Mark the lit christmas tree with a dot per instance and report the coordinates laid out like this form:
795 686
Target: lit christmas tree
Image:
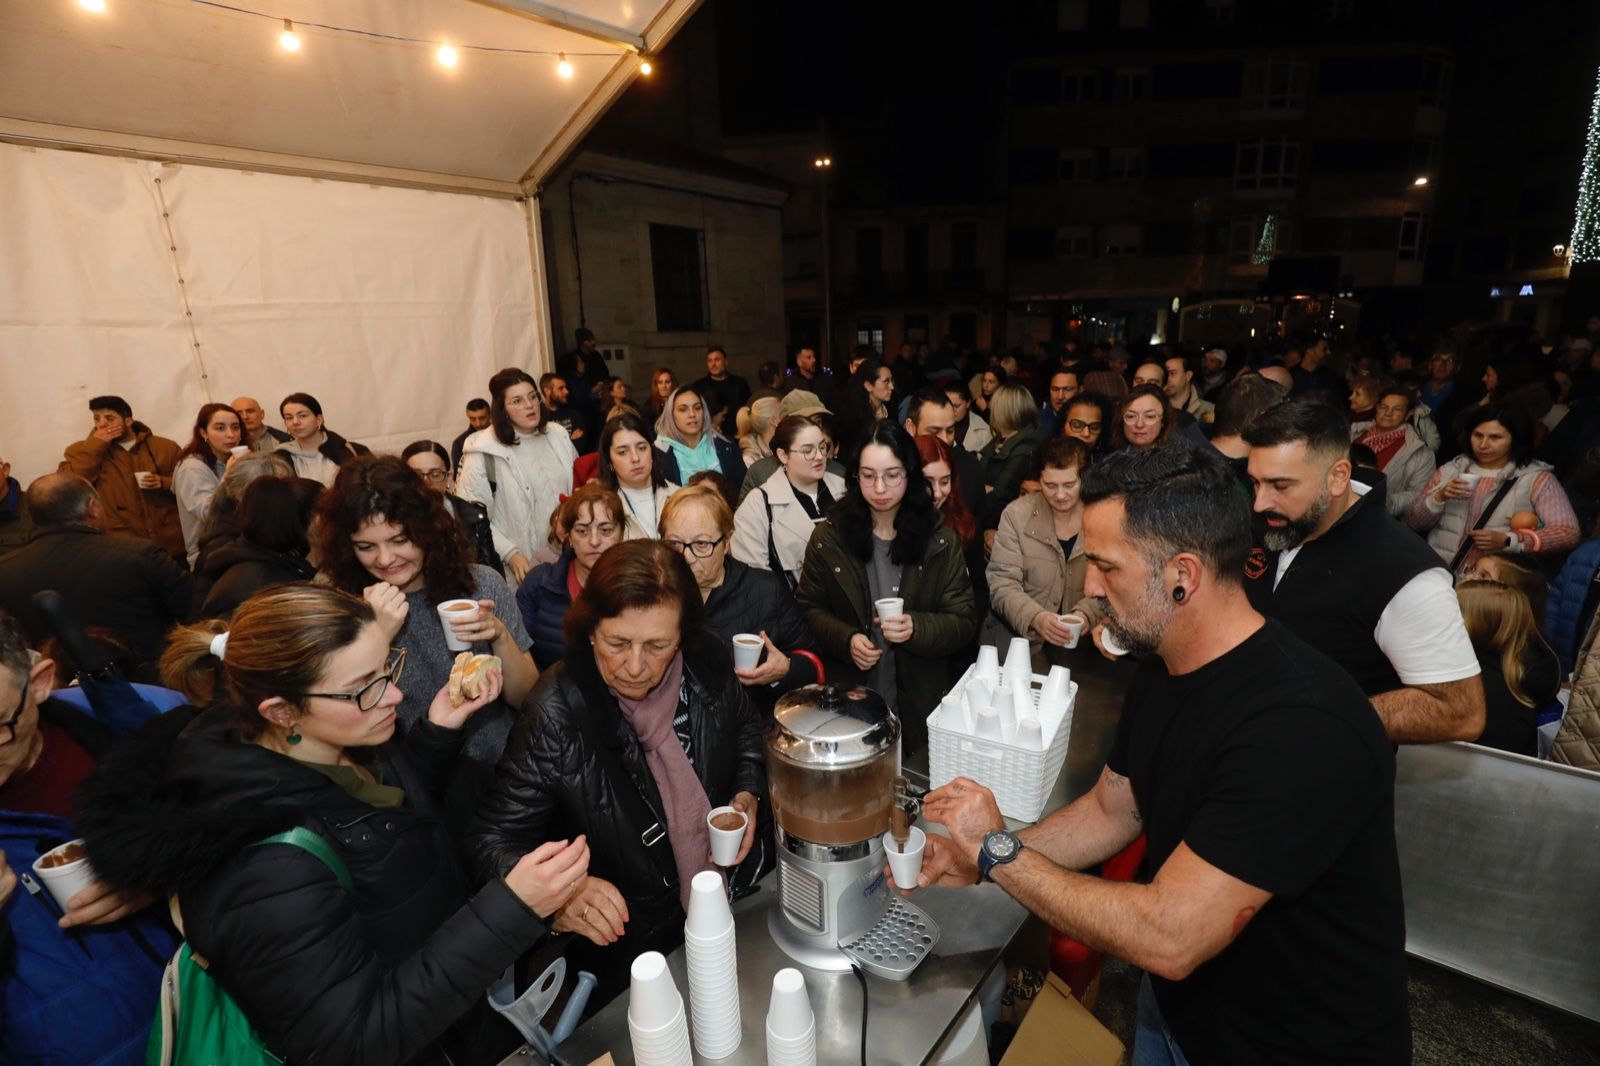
1268 242
1585 244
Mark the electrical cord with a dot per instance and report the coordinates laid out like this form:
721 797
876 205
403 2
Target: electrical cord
861 976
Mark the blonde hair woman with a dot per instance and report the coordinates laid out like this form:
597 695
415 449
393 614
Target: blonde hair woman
756 424
1520 672
1009 457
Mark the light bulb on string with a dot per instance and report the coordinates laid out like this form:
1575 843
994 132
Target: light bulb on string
288 39
448 56
646 69
97 7
564 68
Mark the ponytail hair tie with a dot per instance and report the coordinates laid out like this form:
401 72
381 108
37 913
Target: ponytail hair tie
219 644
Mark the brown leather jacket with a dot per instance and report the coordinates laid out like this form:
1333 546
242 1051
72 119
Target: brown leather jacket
126 509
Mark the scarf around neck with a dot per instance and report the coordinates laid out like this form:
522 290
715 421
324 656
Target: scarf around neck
691 461
683 798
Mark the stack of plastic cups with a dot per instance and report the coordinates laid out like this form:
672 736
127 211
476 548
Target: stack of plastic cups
1018 672
713 967
791 1027
1053 696
656 1021
1005 707
988 668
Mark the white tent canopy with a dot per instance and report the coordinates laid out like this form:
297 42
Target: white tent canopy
168 232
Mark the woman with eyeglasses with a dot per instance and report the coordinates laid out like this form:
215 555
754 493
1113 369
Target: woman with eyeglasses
775 522
387 963
590 521
386 538
688 444
1144 419
698 524
628 468
630 742
431 462
1088 417
1404 457
885 540
518 469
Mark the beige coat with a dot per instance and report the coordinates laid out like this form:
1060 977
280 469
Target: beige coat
1577 742
791 526
1028 574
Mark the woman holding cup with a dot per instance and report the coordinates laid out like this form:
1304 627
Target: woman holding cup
200 467
386 538
590 521
599 752
885 541
389 964
1464 511
749 607
1037 568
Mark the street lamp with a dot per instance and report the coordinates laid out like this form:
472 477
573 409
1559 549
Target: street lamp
1420 181
824 165
823 161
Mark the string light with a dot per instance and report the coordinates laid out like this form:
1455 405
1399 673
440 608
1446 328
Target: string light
448 56
1585 244
564 68
97 7
646 69
1420 181
289 39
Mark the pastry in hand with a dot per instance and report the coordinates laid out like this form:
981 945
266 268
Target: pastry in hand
467 674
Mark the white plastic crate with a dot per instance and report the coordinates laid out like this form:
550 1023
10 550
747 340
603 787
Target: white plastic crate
1021 779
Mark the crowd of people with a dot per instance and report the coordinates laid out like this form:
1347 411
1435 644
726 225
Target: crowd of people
290 608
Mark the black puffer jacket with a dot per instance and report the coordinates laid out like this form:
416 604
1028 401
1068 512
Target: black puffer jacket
239 569
574 766
474 519
753 601
377 975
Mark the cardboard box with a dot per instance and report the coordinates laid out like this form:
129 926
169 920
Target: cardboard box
1060 1031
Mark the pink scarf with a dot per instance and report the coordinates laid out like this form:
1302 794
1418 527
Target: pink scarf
683 798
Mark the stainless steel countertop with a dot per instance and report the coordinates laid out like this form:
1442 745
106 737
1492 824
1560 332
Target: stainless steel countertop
906 1020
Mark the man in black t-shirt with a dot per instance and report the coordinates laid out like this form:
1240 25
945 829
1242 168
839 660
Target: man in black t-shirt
731 390
1268 913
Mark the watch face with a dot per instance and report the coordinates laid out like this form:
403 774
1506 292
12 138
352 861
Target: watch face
1001 845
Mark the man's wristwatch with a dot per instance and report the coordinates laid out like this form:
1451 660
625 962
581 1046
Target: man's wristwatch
999 847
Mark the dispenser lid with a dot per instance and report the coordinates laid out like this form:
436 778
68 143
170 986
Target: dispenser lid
833 725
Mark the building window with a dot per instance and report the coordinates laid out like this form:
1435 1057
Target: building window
1072 15
1129 84
1077 165
870 331
1413 233
1338 10
1121 240
1435 81
678 268
1267 163
1277 83
1079 86
1072 242
1125 164
1133 14
963 246
1220 12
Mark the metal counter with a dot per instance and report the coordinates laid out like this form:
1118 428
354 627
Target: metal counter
906 1020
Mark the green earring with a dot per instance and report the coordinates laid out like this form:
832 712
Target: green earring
293 737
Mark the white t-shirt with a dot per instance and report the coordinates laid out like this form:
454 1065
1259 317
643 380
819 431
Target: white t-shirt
1420 631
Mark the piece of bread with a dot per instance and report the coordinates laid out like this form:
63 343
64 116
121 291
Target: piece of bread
466 676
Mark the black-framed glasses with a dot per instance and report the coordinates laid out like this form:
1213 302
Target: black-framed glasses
10 724
369 695
435 476
701 549
1078 425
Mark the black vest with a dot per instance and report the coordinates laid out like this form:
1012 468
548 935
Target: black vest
1339 584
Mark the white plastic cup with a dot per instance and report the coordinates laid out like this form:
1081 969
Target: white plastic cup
1109 643
1005 709
952 713
709 915
890 607
798 1051
746 651
67 880
1029 735
239 450
1021 703
988 668
653 999
1074 624
1468 479
979 693
146 479
457 610
905 865
1057 683
789 1010
725 842
986 724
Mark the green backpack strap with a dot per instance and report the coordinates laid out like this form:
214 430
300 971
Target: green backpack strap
307 840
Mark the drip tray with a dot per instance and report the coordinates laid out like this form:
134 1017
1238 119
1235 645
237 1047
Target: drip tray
892 948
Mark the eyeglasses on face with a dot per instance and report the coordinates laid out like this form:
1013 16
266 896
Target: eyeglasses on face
700 549
891 478
369 695
809 451
1078 425
1134 418
435 476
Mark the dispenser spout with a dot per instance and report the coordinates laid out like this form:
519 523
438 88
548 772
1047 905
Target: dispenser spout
903 811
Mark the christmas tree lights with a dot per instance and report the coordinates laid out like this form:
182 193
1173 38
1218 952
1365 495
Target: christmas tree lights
1269 238
1585 244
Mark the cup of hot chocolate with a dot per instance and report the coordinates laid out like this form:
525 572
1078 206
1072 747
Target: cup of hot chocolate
147 479
456 611
746 651
1074 624
65 871
727 826
238 450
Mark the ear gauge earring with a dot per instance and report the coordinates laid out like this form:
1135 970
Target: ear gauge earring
1178 594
